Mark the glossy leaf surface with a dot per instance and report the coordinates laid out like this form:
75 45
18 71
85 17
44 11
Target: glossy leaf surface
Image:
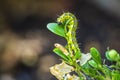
56 28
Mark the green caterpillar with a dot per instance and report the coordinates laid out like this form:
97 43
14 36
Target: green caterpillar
69 22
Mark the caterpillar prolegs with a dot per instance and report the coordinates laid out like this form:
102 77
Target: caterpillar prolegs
69 22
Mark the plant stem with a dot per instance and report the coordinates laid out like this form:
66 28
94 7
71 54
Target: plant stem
78 71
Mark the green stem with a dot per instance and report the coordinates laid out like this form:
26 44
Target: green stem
78 71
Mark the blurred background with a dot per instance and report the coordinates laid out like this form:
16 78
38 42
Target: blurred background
26 44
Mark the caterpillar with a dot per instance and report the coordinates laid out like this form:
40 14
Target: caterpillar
69 22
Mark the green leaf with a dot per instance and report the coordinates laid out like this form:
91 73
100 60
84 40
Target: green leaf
56 29
88 70
100 78
115 76
61 54
93 63
112 55
95 55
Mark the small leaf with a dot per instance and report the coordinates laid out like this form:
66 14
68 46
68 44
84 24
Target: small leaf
95 55
56 29
88 69
61 54
115 75
100 77
93 63
112 55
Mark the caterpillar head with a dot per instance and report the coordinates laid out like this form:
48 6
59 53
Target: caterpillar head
67 19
